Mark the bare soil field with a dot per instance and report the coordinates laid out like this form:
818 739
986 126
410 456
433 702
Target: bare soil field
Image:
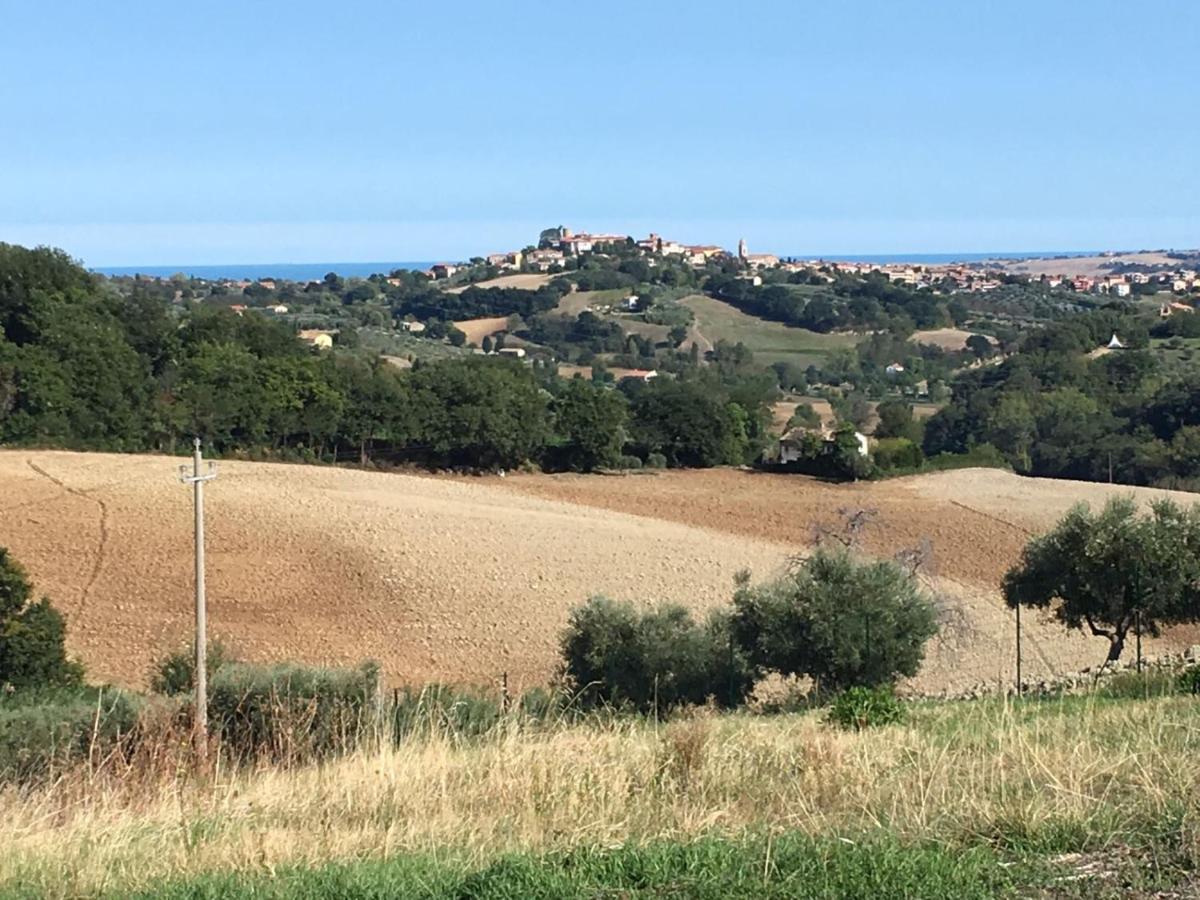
946 338
437 578
528 282
461 579
477 329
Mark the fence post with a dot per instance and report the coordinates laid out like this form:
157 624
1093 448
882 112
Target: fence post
1019 688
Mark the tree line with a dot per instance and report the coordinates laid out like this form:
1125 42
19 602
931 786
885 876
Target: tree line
84 367
1057 408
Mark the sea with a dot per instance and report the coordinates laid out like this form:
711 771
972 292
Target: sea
254 271
318 270
945 258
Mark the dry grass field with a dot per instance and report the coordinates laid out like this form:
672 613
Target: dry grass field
461 579
528 282
477 329
957 774
946 338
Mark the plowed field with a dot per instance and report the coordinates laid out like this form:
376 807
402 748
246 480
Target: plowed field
464 579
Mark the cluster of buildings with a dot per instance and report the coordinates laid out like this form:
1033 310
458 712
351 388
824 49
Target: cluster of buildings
564 244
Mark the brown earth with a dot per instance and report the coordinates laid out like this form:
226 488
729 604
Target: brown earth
477 329
528 282
463 579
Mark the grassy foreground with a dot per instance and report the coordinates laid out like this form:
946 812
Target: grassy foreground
967 799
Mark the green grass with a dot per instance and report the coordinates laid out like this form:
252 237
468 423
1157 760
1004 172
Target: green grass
787 865
769 341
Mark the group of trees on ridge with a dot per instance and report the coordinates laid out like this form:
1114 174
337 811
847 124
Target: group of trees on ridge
82 367
1055 409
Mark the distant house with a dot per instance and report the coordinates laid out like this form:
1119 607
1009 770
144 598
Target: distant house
637 374
895 369
792 446
544 260
443 270
514 352
322 340
413 327
505 260
268 283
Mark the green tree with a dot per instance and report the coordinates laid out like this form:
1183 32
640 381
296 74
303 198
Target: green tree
1114 571
32 634
590 424
480 412
804 416
652 660
852 408
841 621
896 421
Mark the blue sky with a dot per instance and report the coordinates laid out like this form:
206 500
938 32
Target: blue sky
161 133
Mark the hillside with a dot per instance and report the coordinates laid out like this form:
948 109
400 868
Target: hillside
463 579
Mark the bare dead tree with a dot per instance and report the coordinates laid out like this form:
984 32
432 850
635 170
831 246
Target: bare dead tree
849 531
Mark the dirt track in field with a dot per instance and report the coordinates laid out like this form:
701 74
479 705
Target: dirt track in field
463 579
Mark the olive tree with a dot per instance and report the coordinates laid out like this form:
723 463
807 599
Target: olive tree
1114 571
843 621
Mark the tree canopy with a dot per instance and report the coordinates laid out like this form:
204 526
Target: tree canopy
1114 571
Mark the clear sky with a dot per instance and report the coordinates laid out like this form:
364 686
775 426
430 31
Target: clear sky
210 132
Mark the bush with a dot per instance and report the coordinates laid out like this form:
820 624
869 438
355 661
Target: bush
653 660
32 635
898 453
862 707
442 709
44 731
175 673
656 461
1188 681
629 462
839 621
290 712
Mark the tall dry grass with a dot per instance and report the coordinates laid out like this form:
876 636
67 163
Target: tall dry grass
957 773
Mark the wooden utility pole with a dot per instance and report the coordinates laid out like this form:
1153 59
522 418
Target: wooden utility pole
196 479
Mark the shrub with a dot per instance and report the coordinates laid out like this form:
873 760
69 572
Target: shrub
652 660
440 708
838 620
863 707
898 453
32 634
175 673
290 712
656 461
629 462
1188 681
44 731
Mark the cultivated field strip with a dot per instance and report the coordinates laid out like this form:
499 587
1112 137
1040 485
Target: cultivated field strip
463 579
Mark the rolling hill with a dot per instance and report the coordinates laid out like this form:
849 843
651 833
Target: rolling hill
462 579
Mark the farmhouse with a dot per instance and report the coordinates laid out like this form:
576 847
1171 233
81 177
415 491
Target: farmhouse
794 445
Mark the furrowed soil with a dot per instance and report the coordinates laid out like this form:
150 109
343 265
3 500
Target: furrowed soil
462 579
